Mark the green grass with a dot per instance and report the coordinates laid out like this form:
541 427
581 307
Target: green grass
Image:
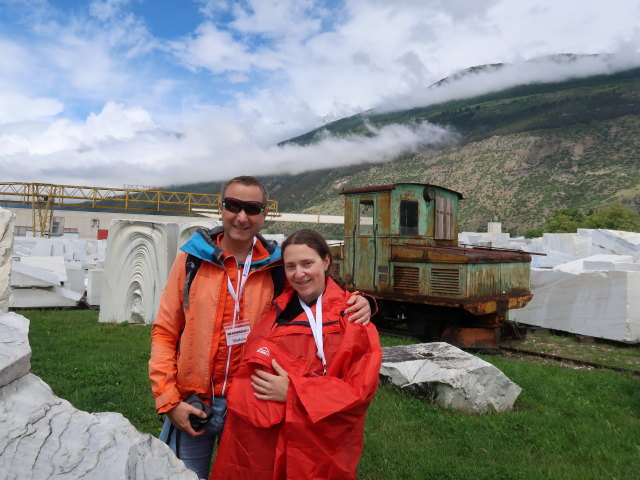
568 423
97 367
609 353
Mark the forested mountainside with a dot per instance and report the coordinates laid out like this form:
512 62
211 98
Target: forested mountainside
522 153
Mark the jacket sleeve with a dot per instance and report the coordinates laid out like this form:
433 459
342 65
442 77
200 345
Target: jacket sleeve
242 401
165 335
372 303
351 380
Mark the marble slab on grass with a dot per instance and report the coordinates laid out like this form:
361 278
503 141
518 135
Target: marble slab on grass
44 436
448 376
601 304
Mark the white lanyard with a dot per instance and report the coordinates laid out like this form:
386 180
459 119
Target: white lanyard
316 328
236 309
241 281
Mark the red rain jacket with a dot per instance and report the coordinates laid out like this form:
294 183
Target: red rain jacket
318 432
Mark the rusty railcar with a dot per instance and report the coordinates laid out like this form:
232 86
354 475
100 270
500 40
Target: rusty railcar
401 246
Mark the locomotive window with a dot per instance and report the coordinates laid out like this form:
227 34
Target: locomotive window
365 217
408 217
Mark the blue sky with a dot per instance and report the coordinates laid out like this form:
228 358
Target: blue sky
156 92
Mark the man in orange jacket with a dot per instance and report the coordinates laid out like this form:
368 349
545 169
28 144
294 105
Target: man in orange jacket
197 339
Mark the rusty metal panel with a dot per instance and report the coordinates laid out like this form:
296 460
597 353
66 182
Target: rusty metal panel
364 251
446 220
406 278
486 338
484 279
335 269
383 213
364 265
483 306
446 280
336 252
348 213
519 301
515 277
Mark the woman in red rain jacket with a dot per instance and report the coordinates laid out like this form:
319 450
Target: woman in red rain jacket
297 404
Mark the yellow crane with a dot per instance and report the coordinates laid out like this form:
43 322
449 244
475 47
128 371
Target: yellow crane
45 197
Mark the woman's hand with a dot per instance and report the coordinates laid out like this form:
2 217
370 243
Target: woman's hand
271 387
360 310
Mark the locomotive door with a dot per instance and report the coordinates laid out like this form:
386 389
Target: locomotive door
364 243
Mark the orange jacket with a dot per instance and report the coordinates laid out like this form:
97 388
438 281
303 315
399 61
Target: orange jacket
186 340
318 432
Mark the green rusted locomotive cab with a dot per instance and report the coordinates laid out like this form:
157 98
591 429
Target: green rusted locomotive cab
400 245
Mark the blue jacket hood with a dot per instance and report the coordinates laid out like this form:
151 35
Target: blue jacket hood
203 245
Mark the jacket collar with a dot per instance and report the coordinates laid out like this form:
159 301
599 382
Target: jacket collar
203 245
333 297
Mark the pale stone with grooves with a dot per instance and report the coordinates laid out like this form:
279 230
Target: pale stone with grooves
448 376
44 436
138 259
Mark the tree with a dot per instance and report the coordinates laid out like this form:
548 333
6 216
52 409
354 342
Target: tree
615 216
567 220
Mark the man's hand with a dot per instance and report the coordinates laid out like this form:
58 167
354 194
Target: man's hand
179 416
271 387
360 310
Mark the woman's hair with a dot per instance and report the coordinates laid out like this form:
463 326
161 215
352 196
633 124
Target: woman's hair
310 238
315 241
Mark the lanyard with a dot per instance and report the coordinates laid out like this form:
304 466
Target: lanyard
241 281
316 328
236 309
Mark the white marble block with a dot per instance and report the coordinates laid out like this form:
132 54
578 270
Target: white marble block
448 376
44 297
7 220
95 279
618 242
24 275
602 304
44 436
139 257
188 229
76 279
15 353
572 244
54 265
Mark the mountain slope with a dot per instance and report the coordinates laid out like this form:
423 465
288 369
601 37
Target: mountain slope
524 153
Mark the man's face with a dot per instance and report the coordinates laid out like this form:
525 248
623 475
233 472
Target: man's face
240 227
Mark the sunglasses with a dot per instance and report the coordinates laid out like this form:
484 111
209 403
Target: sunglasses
236 206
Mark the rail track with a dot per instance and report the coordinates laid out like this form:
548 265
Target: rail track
521 351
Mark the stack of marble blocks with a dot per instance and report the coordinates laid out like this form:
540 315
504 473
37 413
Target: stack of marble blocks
586 282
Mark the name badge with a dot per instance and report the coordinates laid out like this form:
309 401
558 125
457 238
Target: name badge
238 334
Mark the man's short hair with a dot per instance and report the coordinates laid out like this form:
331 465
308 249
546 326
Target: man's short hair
246 180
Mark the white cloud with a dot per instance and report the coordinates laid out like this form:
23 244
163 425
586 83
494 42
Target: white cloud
212 103
15 107
540 70
279 18
213 49
106 9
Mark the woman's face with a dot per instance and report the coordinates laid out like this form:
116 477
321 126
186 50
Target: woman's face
305 270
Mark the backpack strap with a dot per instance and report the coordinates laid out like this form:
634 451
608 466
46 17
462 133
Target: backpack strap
191 266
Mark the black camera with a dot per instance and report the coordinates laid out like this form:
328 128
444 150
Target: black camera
196 422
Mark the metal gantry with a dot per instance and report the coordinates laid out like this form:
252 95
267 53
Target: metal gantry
45 197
